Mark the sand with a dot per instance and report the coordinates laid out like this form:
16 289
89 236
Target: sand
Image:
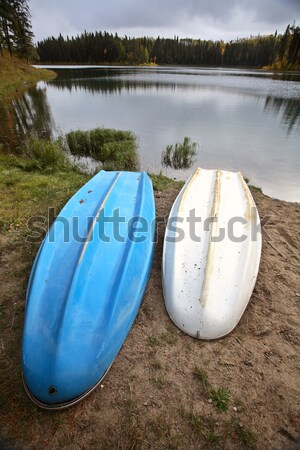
151 397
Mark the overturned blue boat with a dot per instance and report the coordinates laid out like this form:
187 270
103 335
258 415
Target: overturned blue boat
86 287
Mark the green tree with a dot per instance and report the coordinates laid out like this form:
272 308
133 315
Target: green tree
15 27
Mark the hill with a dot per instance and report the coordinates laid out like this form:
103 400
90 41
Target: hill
16 75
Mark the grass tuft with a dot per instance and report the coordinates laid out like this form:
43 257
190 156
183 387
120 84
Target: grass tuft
45 156
202 375
169 336
205 426
246 437
180 155
220 398
115 149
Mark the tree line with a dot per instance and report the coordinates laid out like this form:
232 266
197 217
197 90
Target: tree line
15 28
278 51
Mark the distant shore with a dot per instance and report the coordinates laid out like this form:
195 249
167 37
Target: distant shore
118 64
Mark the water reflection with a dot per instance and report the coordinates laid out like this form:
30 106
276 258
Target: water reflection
289 110
27 113
105 82
283 101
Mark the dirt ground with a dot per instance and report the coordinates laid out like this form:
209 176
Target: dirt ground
158 391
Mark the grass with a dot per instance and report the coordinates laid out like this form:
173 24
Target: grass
159 381
26 193
161 182
115 149
220 398
169 336
16 76
202 375
204 425
215 432
245 436
181 155
44 155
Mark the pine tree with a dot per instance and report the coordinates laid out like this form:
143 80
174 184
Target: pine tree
15 27
6 29
22 29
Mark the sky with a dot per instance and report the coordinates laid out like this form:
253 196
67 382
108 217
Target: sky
200 19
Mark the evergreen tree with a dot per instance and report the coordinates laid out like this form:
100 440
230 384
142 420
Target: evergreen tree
15 27
278 51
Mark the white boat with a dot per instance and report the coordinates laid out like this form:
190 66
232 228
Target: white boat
211 253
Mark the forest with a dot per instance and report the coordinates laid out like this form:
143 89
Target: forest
275 51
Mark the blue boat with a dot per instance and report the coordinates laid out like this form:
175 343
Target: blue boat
86 286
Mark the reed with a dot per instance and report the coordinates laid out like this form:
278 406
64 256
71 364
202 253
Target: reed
115 149
181 155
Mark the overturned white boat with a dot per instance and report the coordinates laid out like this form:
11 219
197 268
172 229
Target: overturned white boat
211 253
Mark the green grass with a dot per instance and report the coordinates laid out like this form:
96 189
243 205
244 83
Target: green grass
16 76
115 149
251 187
255 189
161 182
181 155
45 156
220 398
27 193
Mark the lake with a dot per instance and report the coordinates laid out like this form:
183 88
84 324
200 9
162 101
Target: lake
245 120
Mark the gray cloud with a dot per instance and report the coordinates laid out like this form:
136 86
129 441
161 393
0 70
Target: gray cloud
206 19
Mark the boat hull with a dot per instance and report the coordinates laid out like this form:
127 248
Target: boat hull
211 254
86 287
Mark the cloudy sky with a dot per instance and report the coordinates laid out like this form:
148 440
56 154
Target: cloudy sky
204 19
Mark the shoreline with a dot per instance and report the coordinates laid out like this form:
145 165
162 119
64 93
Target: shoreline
16 76
118 64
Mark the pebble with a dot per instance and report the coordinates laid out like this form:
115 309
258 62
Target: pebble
102 386
235 408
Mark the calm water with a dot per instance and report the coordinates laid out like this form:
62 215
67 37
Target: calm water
242 120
